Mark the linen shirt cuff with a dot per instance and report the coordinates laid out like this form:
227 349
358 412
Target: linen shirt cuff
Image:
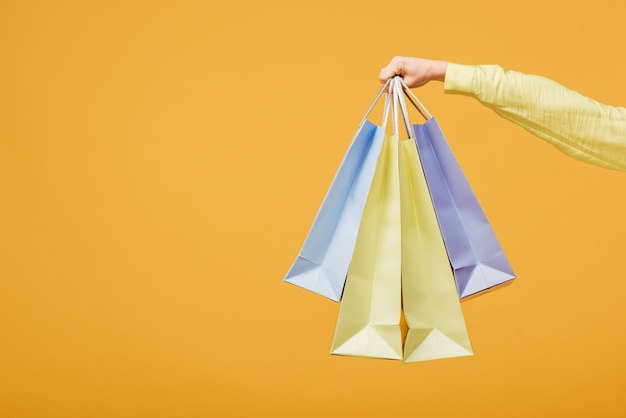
459 79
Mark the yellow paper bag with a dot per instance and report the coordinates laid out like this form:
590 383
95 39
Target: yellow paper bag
369 317
431 304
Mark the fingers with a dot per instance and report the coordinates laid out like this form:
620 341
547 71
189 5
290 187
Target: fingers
395 67
386 73
414 71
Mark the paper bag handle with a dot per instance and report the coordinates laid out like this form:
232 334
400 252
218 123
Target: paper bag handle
415 101
395 85
386 109
398 85
391 105
380 93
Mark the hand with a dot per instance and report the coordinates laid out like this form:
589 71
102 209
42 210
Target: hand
414 71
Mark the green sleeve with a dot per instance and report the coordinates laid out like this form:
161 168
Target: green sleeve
577 125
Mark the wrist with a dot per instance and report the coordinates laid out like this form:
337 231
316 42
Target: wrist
439 69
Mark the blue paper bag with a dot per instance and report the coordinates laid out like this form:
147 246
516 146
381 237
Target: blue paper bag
323 262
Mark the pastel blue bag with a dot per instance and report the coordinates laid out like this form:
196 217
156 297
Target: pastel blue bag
323 262
476 256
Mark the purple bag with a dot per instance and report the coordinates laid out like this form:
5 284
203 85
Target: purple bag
476 256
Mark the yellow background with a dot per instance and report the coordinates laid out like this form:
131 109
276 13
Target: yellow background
161 163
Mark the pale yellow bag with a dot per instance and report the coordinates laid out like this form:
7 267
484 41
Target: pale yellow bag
369 317
431 303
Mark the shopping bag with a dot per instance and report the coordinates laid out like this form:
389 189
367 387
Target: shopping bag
432 309
474 251
368 324
431 304
323 261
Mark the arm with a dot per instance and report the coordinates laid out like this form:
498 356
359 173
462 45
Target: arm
579 126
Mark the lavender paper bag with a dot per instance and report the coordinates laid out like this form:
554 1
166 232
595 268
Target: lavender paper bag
476 256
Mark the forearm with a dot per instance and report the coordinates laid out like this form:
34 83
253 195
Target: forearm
577 125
